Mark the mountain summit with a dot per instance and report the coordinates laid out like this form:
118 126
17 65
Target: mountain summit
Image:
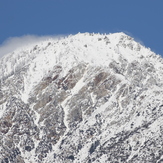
85 98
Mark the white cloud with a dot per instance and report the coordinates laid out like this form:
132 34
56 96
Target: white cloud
13 43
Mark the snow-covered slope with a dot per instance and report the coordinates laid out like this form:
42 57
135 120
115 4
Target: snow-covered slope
83 98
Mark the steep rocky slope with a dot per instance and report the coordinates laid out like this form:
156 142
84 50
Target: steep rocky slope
85 98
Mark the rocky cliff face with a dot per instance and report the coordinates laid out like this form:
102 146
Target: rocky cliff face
85 98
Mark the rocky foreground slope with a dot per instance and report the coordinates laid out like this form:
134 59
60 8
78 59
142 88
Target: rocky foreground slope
86 98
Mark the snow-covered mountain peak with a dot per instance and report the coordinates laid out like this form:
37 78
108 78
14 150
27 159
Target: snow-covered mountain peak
92 49
98 49
81 98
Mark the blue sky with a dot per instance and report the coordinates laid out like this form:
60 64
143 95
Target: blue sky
142 19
